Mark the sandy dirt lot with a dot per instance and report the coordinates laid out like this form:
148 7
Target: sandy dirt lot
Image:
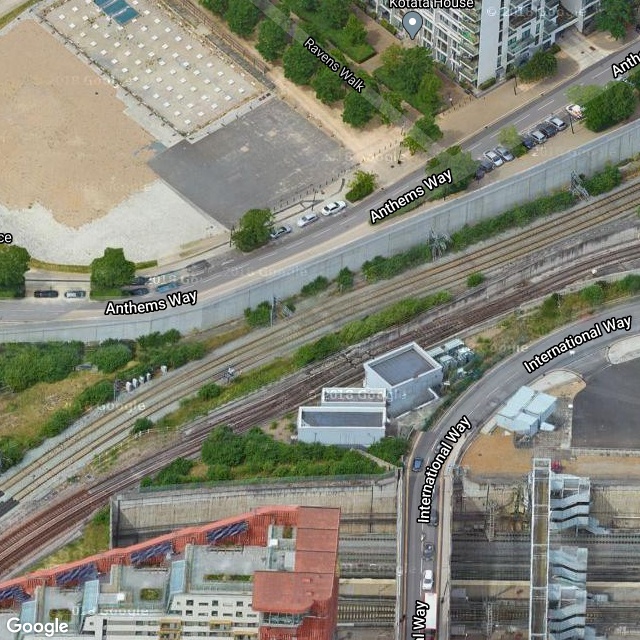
66 142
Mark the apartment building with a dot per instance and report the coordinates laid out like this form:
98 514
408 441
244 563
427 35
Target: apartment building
270 574
496 35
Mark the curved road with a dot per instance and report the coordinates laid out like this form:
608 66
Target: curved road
478 404
232 269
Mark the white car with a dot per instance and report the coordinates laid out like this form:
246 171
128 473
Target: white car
306 219
427 580
575 111
334 207
492 156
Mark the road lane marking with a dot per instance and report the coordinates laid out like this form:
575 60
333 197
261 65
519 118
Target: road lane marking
546 104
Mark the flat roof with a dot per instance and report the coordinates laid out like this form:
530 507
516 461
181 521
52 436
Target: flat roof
402 364
342 416
540 403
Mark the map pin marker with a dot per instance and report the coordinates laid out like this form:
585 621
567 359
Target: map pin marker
412 23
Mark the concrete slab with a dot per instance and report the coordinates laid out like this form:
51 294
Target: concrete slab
605 414
257 160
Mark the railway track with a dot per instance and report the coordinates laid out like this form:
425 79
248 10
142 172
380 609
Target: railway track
448 273
380 611
20 541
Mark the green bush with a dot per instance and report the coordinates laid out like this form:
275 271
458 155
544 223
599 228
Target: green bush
603 181
96 394
260 316
209 391
475 279
318 350
157 339
111 357
59 421
390 449
361 186
316 286
487 84
388 26
140 425
345 279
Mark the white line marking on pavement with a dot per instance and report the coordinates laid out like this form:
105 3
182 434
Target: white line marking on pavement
323 232
601 72
295 244
477 144
546 104
524 117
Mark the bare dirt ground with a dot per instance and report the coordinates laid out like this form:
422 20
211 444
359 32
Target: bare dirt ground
66 142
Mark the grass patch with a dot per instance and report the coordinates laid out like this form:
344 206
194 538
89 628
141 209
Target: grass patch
12 15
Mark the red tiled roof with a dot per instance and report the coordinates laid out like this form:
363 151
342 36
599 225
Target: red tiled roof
293 592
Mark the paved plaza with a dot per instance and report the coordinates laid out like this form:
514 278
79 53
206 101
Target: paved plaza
184 82
256 161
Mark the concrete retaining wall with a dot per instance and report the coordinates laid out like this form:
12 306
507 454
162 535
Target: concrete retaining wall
393 237
139 516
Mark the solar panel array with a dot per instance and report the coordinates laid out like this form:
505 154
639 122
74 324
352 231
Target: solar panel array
155 550
78 574
229 530
119 10
13 593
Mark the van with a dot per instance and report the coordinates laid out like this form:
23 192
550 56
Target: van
538 136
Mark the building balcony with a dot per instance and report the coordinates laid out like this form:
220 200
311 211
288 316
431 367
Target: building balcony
520 45
467 49
470 26
471 66
516 20
469 38
467 76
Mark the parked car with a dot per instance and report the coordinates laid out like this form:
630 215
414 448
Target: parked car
480 173
334 207
167 287
75 293
280 231
306 219
486 165
528 142
435 519
138 291
558 123
427 551
538 136
417 464
46 293
548 129
492 156
427 580
575 111
139 280
504 153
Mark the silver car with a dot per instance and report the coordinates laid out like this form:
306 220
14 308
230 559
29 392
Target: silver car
492 156
504 153
306 219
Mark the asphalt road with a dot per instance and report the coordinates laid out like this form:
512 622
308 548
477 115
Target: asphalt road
478 404
232 265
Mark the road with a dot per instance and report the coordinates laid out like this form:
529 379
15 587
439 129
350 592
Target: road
478 404
232 269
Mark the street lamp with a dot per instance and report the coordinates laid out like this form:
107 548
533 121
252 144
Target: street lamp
571 122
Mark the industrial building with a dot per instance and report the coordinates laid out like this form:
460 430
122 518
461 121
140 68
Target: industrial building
487 41
408 374
351 425
267 575
526 412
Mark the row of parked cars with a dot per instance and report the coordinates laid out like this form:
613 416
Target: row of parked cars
539 135
308 218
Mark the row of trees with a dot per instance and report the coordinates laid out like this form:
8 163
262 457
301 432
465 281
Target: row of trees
606 106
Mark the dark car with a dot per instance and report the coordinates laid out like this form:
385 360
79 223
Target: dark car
138 280
528 142
548 129
46 293
434 518
167 287
486 165
480 173
75 293
417 464
138 291
427 551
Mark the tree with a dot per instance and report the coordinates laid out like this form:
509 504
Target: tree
357 108
14 263
615 16
593 295
509 137
634 79
112 271
217 6
253 229
462 167
223 447
335 12
242 17
428 96
355 31
615 104
272 40
584 94
362 185
424 132
391 107
543 64
328 85
416 63
110 357
299 64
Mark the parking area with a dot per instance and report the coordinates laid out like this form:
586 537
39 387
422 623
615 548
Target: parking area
605 413
256 161
187 84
